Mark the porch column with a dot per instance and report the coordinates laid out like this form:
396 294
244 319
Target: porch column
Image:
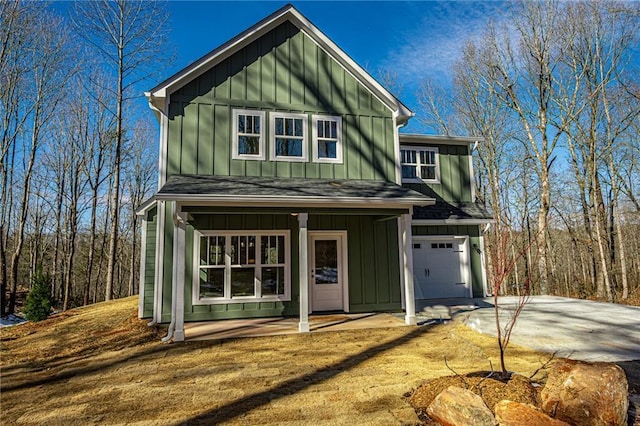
178 272
407 255
303 264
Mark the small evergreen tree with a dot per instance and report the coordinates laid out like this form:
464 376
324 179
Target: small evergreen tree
39 300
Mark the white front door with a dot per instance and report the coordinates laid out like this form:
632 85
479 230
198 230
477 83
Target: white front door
326 272
440 268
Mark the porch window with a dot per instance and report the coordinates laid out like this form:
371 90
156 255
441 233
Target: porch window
327 139
289 137
242 266
248 135
420 164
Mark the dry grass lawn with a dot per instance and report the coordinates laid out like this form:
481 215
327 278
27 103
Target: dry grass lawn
100 364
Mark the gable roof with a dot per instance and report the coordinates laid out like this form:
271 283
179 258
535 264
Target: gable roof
158 94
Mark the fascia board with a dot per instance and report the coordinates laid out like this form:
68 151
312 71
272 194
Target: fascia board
216 56
386 97
146 206
451 221
439 139
253 201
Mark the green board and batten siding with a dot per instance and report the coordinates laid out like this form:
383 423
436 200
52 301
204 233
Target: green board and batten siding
149 263
374 274
283 71
454 175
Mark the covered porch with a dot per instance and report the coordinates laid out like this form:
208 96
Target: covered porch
195 200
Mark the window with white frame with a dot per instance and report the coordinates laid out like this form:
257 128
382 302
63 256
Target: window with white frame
240 266
248 134
419 164
288 136
327 139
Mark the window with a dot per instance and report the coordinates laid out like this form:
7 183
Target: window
289 137
419 164
240 266
248 135
327 139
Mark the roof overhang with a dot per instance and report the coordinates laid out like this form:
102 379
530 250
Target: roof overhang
439 139
452 221
244 191
159 94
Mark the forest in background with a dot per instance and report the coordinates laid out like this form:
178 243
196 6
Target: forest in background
554 92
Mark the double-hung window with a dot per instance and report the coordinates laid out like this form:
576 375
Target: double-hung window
248 134
327 139
289 136
240 266
420 164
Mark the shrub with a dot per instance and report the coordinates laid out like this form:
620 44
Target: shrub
39 299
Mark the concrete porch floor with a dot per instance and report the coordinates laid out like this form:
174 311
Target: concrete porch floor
229 329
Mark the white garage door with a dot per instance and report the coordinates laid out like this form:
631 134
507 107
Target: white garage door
440 268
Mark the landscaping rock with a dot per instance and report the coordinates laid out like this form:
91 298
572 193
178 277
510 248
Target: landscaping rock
586 394
459 407
509 413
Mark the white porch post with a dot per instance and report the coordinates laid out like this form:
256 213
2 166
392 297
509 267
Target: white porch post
178 272
410 301
143 258
303 262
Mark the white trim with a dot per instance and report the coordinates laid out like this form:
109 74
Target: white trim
179 272
159 264
403 296
142 272
228 200
287 13
418 222
314 140
483 264
304 140
235 155
303 267
439 139
410 300
343 266
396 150
164 143
197 234
464 258
418 163
472 180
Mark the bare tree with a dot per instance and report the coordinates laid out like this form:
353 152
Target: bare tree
38 67
130 37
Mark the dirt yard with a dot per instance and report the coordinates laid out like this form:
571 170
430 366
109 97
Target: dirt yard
100 364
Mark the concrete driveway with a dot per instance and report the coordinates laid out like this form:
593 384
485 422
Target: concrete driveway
572 328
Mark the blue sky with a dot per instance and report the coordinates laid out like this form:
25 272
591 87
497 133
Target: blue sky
413 39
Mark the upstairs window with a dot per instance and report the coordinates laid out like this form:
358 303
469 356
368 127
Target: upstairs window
289 137
248 135
327 139
419 164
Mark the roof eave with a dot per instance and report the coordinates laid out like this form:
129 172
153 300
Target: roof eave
440 139
315 201
158 94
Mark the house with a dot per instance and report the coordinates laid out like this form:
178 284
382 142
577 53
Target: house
285 188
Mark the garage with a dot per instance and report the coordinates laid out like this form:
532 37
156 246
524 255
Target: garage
441 267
